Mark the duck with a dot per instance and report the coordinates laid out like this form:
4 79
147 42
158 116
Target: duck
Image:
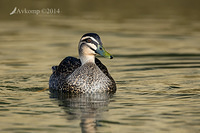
86 74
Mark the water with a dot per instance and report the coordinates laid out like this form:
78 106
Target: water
156 66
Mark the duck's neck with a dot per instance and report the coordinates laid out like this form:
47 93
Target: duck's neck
86 55
87 59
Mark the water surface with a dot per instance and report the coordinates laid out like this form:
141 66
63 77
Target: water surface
156 66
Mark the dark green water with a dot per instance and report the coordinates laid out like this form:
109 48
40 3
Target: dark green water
156 49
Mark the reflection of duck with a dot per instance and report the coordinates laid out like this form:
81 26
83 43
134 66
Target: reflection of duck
86 107
84 75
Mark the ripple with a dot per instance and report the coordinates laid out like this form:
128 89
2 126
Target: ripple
164 67
33 89
163 63
158 55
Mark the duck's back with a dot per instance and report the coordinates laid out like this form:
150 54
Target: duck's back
70 76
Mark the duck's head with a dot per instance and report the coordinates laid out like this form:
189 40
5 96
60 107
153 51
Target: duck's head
90 44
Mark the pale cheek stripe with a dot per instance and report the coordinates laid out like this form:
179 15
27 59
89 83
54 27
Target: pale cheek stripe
84 38
95 40
90 38
92 46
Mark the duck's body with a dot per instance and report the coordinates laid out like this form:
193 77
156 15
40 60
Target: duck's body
70 76
84 75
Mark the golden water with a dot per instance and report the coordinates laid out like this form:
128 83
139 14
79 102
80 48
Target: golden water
156 65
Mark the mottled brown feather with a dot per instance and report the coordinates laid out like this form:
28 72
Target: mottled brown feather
57 81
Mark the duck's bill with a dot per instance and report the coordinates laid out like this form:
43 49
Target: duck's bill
101 50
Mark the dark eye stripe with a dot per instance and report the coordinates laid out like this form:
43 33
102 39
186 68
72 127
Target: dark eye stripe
91 41
88 40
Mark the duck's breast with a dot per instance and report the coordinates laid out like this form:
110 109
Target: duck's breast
89 77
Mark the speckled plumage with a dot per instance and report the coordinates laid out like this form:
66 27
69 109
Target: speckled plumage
71 77
84 75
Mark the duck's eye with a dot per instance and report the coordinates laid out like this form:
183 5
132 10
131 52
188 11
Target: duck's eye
100 48
88 40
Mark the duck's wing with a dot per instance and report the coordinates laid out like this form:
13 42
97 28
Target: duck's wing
63 70
105 71
103 68
68 65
